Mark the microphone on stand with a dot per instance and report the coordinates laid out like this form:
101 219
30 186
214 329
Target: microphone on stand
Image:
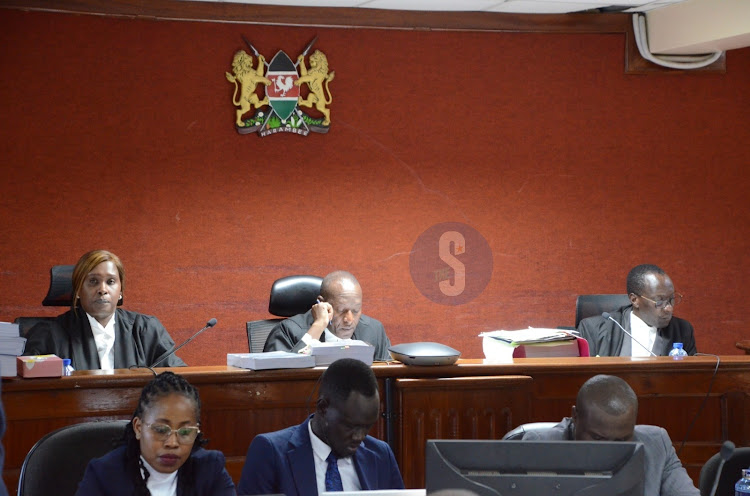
726 452
607 315
174 349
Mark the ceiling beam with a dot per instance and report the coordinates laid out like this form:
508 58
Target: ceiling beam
699 26
332 17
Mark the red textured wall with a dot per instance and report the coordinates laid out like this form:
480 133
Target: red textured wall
118 134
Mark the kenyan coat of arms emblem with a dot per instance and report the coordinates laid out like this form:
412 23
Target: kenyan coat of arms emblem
287 86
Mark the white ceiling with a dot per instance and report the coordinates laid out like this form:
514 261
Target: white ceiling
505 6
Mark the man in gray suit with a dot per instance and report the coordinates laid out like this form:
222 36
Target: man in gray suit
606 409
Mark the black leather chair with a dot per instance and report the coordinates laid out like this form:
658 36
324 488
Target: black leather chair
522 429
290 296
57 462
730 473
60 292
596 304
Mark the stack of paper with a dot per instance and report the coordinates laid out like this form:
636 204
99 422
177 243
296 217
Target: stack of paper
529 336
270 360
328 352
528 343
11 346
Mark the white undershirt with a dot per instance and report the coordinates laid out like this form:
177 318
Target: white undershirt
104 336
349 478
160 484
644 333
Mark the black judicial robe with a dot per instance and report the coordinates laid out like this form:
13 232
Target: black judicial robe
606 339
139 340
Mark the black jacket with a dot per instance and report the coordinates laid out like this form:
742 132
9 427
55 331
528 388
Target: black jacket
287 335
606 339
139 340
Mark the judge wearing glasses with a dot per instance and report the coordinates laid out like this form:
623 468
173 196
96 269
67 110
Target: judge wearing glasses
648 318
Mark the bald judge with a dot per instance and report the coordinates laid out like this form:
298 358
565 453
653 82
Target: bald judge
336 316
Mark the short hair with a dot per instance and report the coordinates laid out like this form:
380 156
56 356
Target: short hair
609 394
345 376
87 263
637 277
326 287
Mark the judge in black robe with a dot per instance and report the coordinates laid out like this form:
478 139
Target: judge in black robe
98 285
139 340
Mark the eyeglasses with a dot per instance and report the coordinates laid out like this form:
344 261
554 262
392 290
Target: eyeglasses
672 301
185 435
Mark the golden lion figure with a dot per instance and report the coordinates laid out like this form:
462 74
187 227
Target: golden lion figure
244 74
315 77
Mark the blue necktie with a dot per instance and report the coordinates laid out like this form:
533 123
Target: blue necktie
333 477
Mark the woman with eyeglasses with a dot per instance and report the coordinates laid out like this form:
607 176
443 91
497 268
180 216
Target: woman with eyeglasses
162 453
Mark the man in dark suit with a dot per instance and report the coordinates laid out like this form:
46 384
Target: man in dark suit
331 449
606 409
648 318
337 315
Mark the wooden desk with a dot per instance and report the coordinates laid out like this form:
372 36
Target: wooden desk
469 400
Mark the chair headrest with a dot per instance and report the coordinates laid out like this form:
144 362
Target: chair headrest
60 292
293 295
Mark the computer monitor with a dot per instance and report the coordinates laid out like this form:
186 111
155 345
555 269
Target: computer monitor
533 468
378 492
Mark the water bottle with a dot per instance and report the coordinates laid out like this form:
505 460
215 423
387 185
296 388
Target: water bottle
67 367
677 351
742 488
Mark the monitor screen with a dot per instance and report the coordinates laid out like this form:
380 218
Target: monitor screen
533 468
378 492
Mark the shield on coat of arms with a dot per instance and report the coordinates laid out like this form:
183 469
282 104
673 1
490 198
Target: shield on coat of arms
282 93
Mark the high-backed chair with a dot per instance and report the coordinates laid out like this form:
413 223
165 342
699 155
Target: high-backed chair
522 429
730 473
59 294
596 304
290 296
57 462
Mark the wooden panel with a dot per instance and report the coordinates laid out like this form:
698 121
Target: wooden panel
469 400
455 408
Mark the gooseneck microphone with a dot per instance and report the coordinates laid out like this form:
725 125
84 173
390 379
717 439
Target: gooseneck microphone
607 315
174 349
726 452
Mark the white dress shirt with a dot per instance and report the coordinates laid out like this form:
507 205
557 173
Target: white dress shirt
644 333
104 336
349 477
160 484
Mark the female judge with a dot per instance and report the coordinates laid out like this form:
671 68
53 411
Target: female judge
94 333
162 453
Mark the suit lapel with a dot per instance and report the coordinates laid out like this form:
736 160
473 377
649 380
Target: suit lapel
365 462
83 345
300 457
124 347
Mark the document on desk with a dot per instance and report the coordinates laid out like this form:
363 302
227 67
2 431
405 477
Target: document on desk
531 335
327 352
270 360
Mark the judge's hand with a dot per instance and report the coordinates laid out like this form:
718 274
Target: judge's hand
322 313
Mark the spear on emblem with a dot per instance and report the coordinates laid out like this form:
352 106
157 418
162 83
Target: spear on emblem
255 52
304 53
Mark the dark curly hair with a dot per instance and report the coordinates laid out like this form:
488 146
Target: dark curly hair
161 386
